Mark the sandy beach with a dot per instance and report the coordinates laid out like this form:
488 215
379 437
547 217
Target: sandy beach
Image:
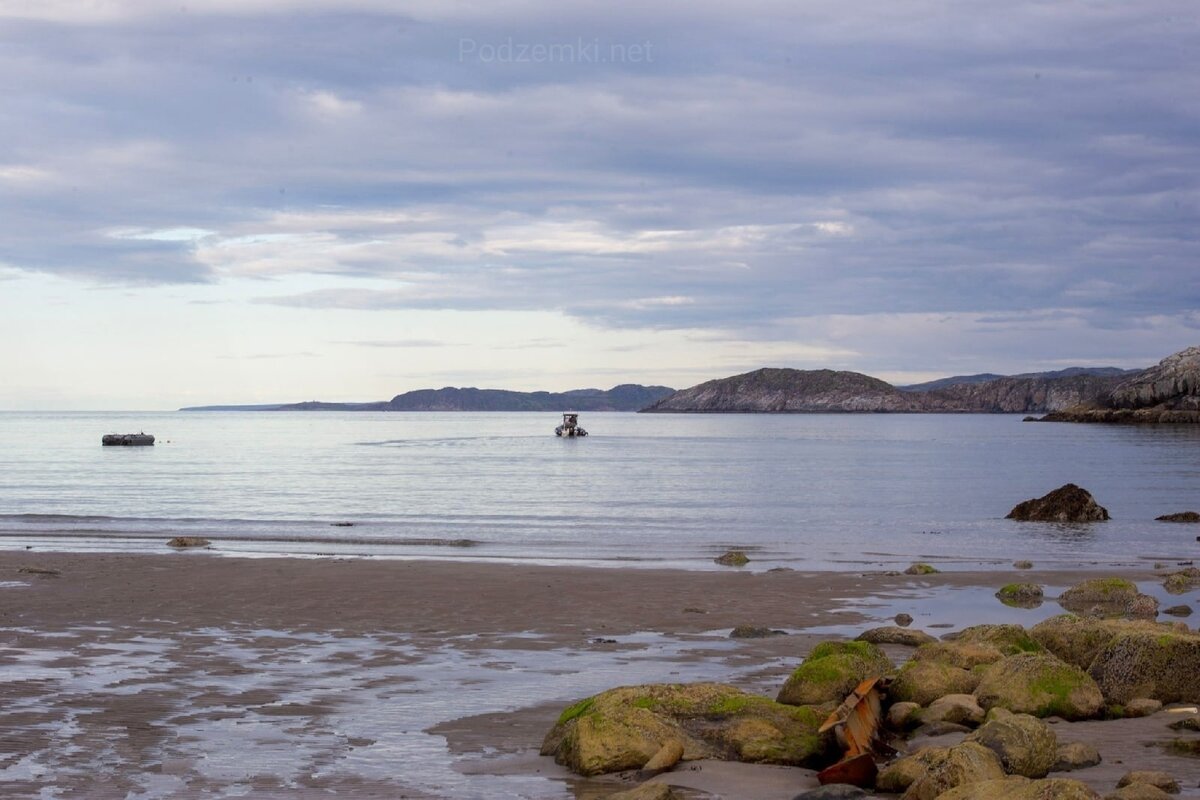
187 674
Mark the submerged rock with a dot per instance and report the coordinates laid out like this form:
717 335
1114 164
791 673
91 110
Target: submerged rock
1068 503
1100 596
831 671
189 541
1041 685
1182 516
732 558
627 727
1023 564
647 791
1025 745
754 632
1178 611
834 791
1021 595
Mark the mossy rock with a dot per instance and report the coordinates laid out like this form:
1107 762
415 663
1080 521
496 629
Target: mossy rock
1026 745
961 765
182 542
923 681
922 569
1041 685
1099 596
1016 787
831 672
1074 639
964 655
1008 639
902 773
624 728
1157 662
1021 595
732 558
1182 581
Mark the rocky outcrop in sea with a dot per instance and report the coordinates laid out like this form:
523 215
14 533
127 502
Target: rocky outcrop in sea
1166 393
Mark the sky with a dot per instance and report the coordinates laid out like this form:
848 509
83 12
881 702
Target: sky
284 200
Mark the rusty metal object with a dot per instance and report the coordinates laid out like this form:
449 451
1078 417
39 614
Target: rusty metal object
855 724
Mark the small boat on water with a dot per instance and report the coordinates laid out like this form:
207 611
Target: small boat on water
127 440
570 427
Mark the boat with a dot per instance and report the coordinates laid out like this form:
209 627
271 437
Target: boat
127 440
570 426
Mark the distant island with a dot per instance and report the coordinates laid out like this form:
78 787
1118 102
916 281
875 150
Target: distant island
626 397
1168 392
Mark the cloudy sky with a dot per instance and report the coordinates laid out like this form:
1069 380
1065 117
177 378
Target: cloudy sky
278 200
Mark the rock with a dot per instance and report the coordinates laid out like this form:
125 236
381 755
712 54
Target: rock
1178 611
961 709
1099 596
1021 595
895 635
935 729
189 541
627 727
41 572
903 620
754 632
923 681
1176 376
732 558
1008 639
1186 724
1143 606
1188 748
1153 661
1182 516
962 764
1182 581
964 655
1023 564
647 791
1015 787
1138 791
831 672
1041 685
1075 640
834 791
1142 707
903 716
667 756
1155 778
1075 755
921 569
896 777
1067 503
1025 745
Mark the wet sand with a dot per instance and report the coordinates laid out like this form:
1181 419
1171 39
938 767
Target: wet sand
187 674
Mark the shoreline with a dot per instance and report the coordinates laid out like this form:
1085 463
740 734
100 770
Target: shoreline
184 673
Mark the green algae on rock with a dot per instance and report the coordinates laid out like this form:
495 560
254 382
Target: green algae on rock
1105 595
624 728
1041 685
831 672
1016 787
1025 745
1158 662
961 765
1008 639
923 681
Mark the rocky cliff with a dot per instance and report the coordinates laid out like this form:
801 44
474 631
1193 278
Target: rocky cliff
1167 392
1021 395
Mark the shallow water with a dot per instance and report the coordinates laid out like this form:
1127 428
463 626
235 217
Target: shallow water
809 491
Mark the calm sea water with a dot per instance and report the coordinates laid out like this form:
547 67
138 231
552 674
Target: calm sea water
804 491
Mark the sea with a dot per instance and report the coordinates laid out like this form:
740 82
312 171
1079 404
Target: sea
808 492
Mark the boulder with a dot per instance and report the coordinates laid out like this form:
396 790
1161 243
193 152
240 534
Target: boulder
1068 503
1151 661
627 727
1041 685
960 765
1021 595
1008 639
754 632
1026 745
923 681
1182 581
1138 791
1099 596
732 558
1182 610
188 541
1015 787
1155 778
1075 755
961 709
964 655
1142 707
921 569
896 777
832 671
1182 516
1076 640
892 634
646 791
1143 606
903 716
903 620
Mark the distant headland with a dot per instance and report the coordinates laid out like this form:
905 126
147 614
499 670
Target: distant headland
1167 392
